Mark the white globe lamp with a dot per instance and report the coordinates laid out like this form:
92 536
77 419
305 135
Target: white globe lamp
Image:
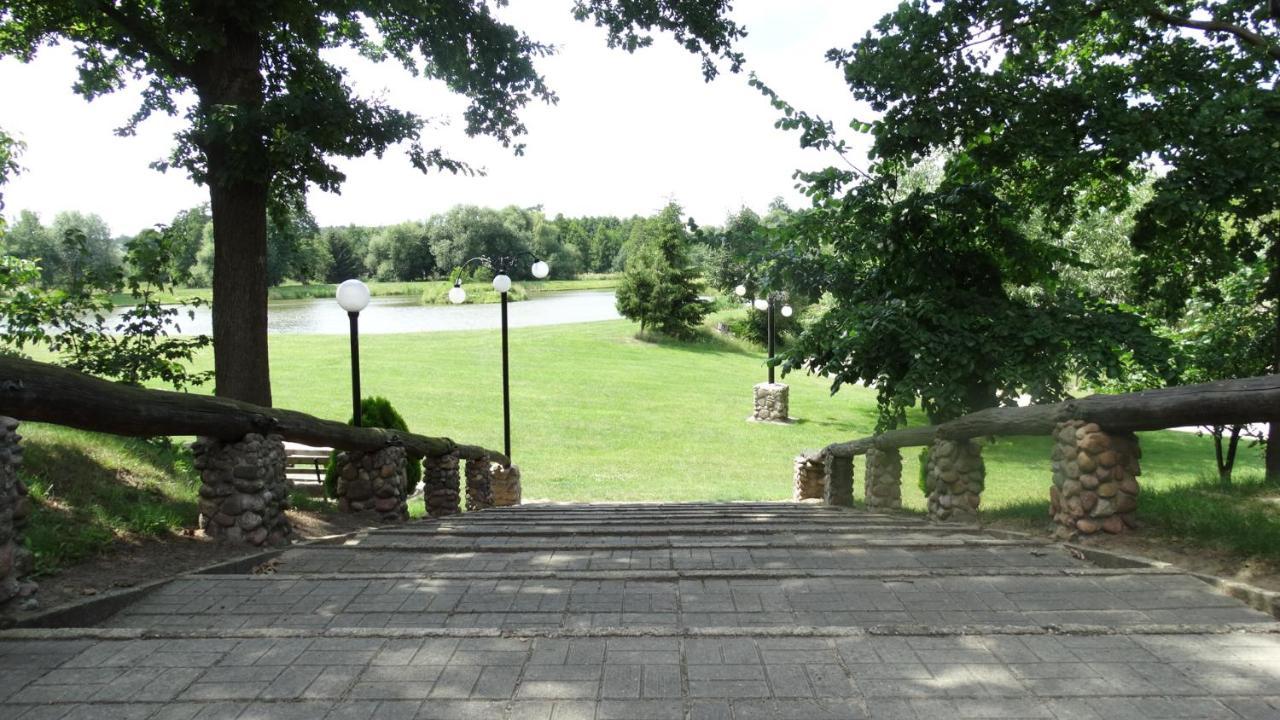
786 311
761 304
457 295
501 283
353 296
540 269
740 291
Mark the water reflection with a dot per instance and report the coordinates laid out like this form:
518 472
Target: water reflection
405 315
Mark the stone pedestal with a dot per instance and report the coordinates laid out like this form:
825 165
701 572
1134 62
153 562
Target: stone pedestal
773 403
955 479
15 511
243 490
1095 480
839 480
883 485
374 482
479 475
810 479
440 485
505 485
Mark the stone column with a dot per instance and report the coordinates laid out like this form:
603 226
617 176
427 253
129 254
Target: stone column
374 481
15 510
1095 479
839 480
479 484
243 490
505 485
955 479
773 403
810 479
440 485
883 486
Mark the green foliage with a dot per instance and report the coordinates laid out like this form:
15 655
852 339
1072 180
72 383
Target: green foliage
659 288
74 321
922 477
347 249
375 412
401 252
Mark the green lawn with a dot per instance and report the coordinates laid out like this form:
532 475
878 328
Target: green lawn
600 415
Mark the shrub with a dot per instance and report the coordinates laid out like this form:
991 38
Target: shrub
375 412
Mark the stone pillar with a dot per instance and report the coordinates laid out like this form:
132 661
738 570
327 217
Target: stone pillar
505 485
773 403
810 479
243 490
15 510
883 486
479 475
440 485
955 479
839 480
1095 479
374 481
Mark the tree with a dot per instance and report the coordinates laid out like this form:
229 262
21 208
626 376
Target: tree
1052 101
271 111
659 288
467 231
92 251
401 252
347 249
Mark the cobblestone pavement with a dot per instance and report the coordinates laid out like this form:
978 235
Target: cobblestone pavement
695 611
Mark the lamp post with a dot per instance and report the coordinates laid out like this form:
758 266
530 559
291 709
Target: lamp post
502 284
767 304
353 296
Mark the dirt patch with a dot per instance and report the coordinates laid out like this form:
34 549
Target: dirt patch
1186 555
132 562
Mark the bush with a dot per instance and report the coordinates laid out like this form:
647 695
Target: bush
375 412
923 479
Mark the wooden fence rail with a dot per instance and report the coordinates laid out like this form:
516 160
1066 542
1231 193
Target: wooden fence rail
39 392
1226 402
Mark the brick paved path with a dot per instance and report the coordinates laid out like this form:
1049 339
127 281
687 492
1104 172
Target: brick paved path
672 611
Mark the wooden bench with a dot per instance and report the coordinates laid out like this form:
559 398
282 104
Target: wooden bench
304 467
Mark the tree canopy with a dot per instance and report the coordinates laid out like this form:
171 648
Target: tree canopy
272 112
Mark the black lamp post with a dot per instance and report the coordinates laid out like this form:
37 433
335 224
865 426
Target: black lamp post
767 304
502 284
353 296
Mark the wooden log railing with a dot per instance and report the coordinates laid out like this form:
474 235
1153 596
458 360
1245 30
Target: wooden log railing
1225 402
39 392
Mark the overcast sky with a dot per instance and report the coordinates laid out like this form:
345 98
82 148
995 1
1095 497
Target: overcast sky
630 131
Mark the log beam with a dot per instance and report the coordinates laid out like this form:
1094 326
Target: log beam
39 392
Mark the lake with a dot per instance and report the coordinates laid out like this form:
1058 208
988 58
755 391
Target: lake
387 315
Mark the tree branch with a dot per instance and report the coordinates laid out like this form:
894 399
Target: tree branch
146 39
1242 33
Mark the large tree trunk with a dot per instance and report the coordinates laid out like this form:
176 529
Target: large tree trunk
230 85
240 363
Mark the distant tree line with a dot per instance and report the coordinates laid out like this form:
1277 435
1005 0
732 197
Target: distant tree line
299 250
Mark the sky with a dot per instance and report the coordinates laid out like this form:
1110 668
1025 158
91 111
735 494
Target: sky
630 133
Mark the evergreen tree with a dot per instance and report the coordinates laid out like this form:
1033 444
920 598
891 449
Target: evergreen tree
659 288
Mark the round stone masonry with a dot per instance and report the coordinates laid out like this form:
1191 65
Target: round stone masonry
955 476
883 486
772 403
505 484
243 490
1095 480
479 475
374 482
441 485
15 510
810 482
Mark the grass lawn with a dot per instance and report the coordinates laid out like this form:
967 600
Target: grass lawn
599 415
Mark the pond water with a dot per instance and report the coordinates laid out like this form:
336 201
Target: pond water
405 315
